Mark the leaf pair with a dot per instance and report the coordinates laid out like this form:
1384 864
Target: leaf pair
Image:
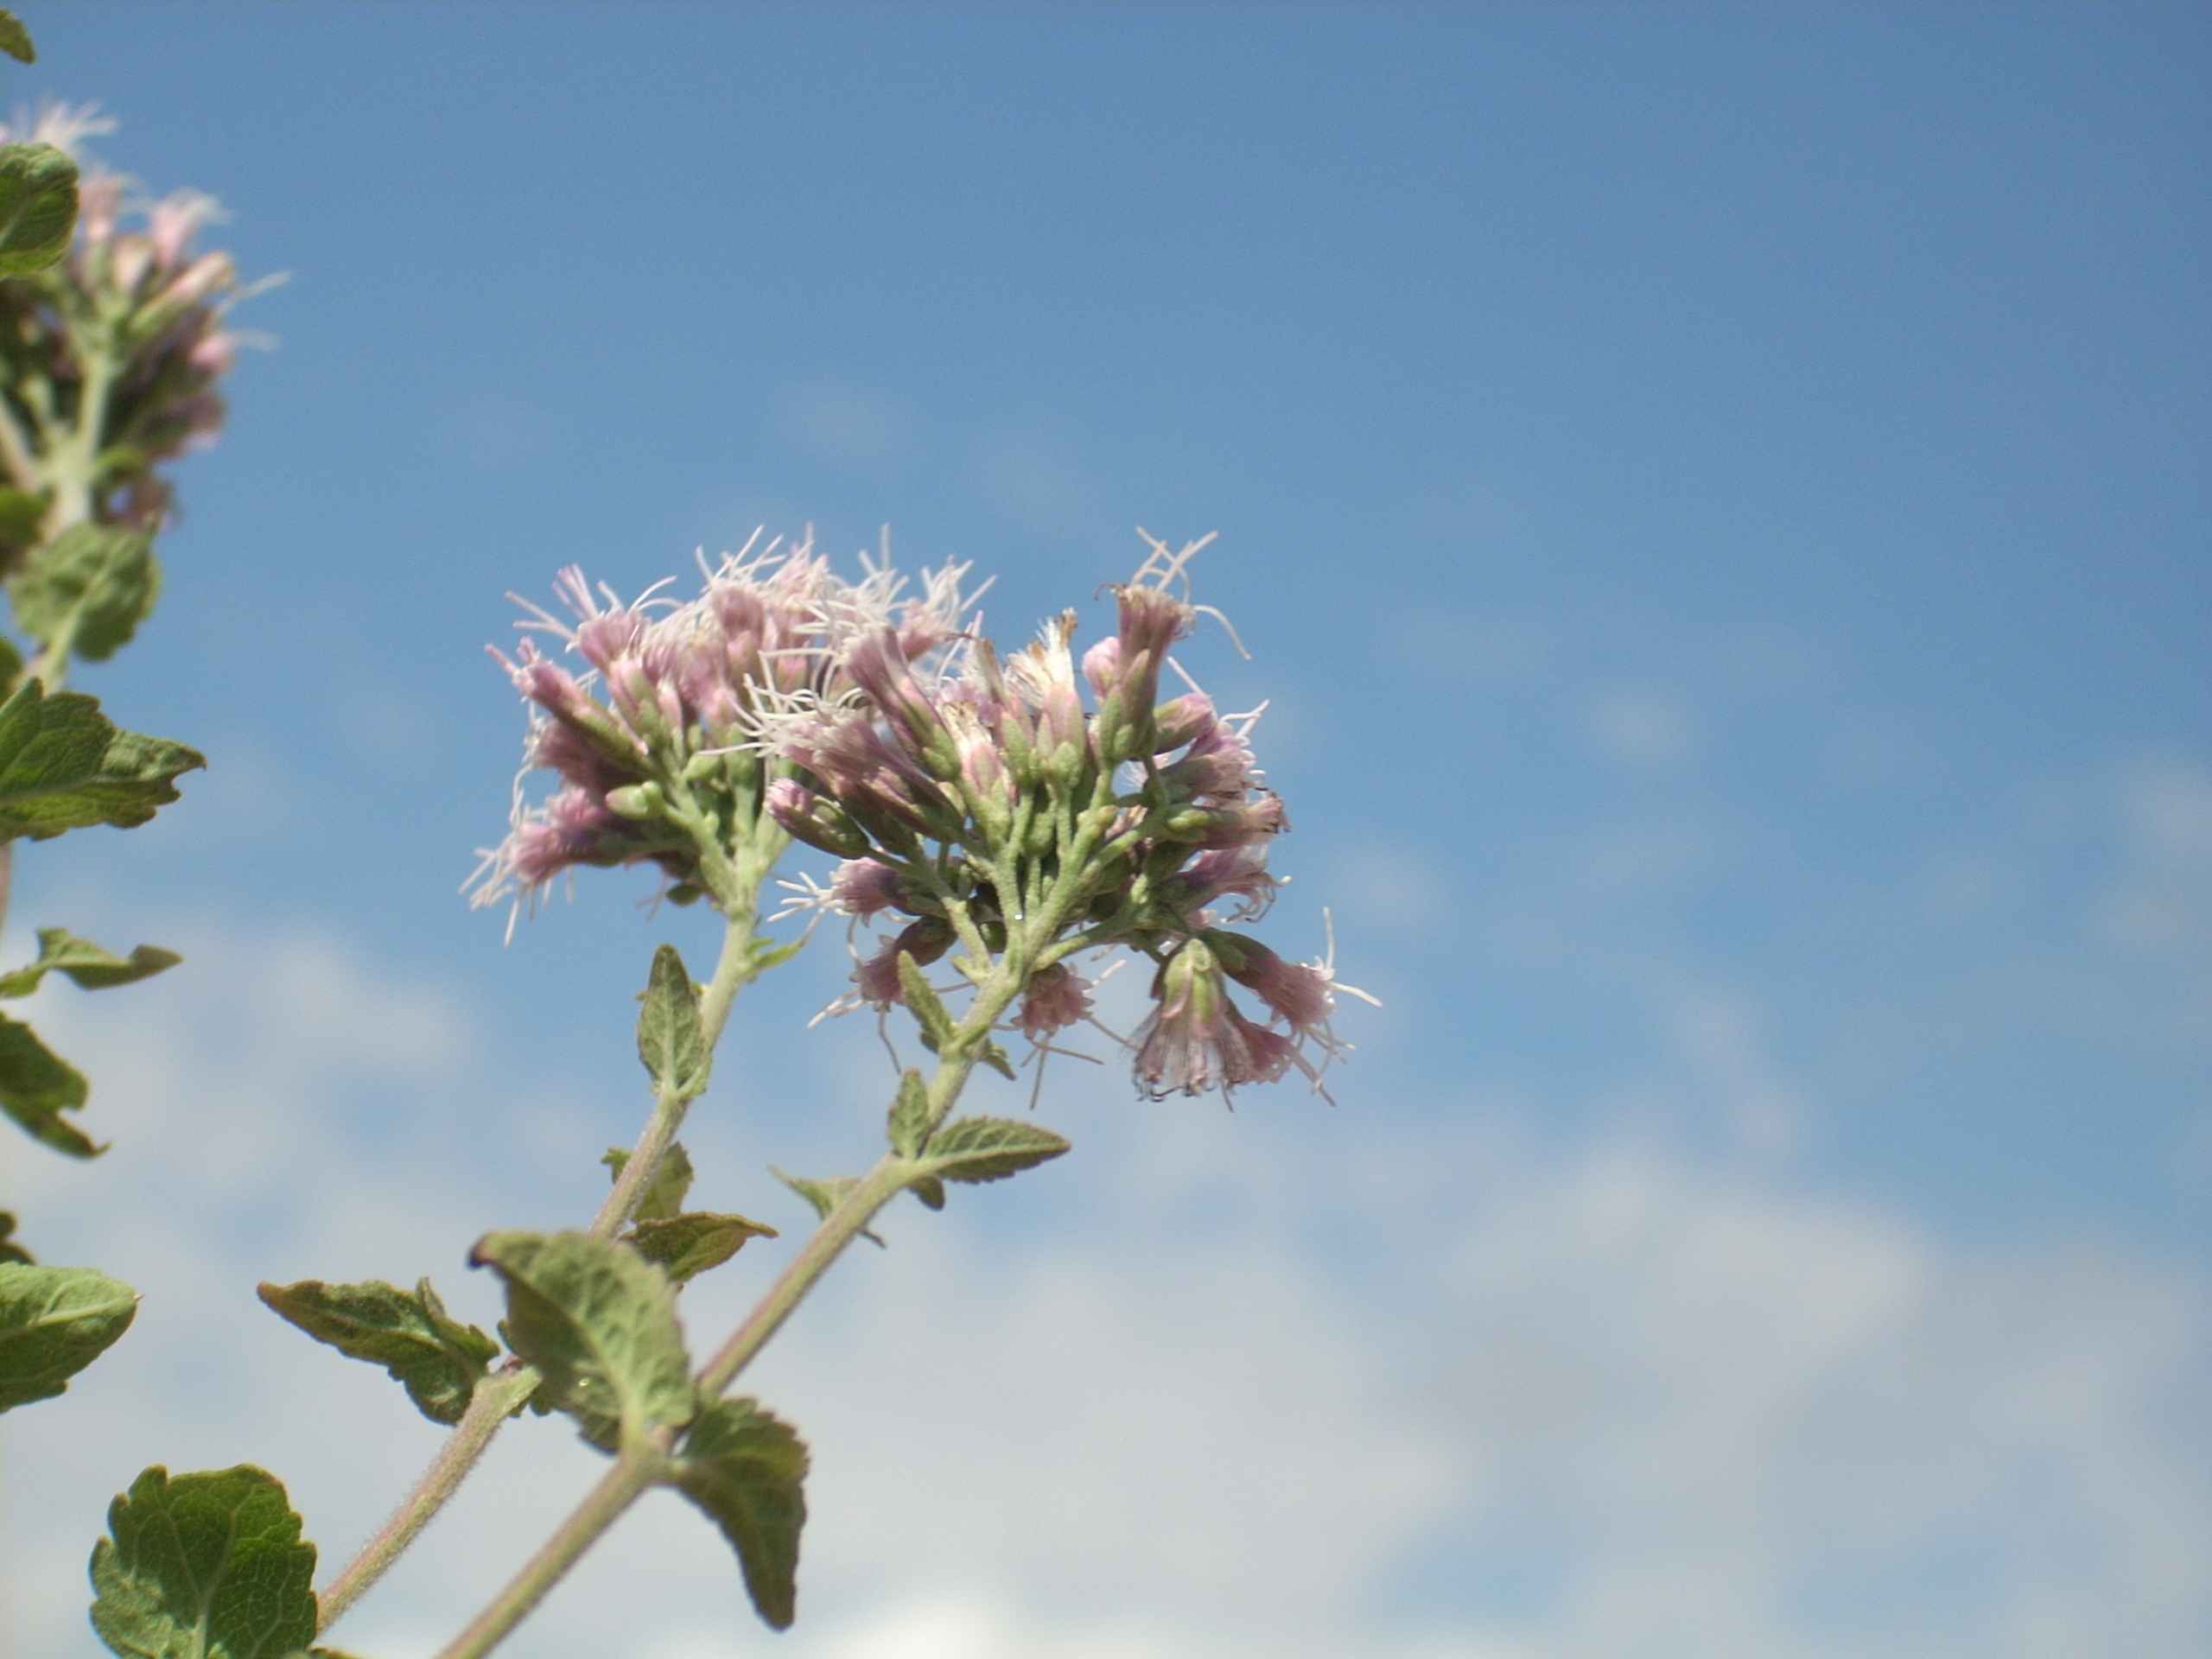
36 1084
599 1324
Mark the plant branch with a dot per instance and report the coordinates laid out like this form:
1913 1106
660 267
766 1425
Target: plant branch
496 1398
618 1488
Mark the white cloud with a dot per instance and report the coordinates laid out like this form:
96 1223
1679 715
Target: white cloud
1642 729
1234 1380
864 425
2162 897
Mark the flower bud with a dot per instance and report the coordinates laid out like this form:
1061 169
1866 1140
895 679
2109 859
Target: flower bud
822 824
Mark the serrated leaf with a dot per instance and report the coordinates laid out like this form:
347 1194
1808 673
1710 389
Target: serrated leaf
93 584
15 40
437 1359
663 1194
38 206
204 1566
598 1322
995 1057
685 1246
53 1322
910 1114
64 766
37 1085
670 1041
747 1470
824 1196
10 1250
990 1148
61 951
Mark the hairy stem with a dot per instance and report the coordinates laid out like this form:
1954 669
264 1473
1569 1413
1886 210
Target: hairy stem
497 1397
639 1468
629 1475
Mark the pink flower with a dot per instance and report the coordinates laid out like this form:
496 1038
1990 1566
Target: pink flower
1054 999
1196 1040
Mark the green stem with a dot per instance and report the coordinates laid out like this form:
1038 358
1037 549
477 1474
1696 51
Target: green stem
839 1228
496 1398
618 1488
635 1470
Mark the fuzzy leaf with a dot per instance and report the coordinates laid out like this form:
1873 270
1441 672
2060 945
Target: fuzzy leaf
824 1196
663 1194
910 1115
747 1470
923 1003
670 1039
37 1085
685 1246
64 766
38 207
435 1357
206 1566
990 1148
53 1322
599 1322
10 1250
61 951
94 583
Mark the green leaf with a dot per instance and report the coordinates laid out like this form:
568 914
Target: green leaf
435 1358
91 585
205 1566
63 765
685 1246
37 1085
23 515
53 1322
995 1057
824 1196
928 1011
747 1470
764 953
663 1194
990 1148
599 1321
15 40
929 1190
61 951
38 207
10 1250
910 1115
670 1039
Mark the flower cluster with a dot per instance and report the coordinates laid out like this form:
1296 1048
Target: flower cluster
114 355
979 803
647 735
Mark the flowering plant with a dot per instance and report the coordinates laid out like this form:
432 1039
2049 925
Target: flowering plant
1004 819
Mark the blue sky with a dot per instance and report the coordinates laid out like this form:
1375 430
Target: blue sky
1717 499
